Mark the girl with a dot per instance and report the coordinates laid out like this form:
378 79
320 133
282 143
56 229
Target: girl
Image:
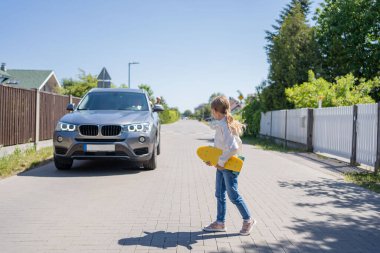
227 138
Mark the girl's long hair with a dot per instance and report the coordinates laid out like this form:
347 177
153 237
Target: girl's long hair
222 105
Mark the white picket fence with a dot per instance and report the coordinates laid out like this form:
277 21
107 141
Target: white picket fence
273 124
367 134
265 123
278 124
296 130
332 130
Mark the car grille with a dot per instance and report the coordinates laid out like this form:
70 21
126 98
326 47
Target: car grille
111 130
89 130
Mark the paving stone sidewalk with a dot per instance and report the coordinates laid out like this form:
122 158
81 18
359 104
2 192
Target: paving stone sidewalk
300 205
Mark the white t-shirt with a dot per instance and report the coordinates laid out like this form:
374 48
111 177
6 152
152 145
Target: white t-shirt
230 144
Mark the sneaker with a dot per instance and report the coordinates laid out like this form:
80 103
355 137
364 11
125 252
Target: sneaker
215 227
247 226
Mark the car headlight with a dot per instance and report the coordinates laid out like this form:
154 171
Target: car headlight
62 126
137 127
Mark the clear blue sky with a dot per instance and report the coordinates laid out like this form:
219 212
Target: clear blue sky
187 49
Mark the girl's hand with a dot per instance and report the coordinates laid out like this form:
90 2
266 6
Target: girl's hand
219 167
208 163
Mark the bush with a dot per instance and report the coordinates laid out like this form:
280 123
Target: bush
169 116
346 90
252 116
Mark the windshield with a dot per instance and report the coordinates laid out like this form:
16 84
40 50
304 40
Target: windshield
114 101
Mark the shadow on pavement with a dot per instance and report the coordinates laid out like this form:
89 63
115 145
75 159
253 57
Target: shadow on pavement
329 163
336 194
165 240
95 168
346 218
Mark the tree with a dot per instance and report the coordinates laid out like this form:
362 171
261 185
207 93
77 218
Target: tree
305 6
348 34
79 88
169 115
272 97
375 92
214 95
149 90
187 113
251 114
203 111
343 92
292 51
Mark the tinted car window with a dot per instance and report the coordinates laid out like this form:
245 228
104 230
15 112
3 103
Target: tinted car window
114 101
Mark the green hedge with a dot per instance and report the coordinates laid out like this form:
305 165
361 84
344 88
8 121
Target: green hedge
169 116
252 117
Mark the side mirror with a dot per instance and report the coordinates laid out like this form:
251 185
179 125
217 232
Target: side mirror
158 108
70 107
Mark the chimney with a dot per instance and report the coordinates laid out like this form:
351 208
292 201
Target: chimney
3 67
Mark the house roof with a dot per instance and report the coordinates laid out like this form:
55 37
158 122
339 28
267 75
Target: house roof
4 74
29 78
235 104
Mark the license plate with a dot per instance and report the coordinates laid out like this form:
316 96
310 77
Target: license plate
102 148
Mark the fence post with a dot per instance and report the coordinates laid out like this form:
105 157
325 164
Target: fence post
286 126
310 123
377 163
354 135
38 106
70 99
270 133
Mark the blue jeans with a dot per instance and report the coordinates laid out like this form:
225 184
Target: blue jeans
226 180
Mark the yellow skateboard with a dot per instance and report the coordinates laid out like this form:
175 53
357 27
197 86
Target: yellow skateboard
212 154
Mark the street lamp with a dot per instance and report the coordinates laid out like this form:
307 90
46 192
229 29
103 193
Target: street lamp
129 73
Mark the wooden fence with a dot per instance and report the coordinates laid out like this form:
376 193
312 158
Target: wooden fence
23 111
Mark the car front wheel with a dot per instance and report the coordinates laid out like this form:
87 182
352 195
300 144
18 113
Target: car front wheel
151 164
159 149
63 163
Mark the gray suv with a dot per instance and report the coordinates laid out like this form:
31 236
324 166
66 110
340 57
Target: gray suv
109 124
